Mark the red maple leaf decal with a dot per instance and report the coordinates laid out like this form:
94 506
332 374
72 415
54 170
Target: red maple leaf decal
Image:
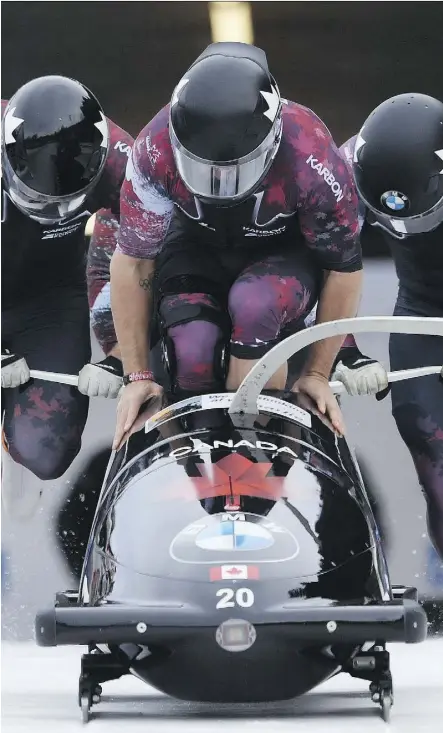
234 571
232 476
236 474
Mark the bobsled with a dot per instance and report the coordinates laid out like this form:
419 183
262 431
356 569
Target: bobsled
234 555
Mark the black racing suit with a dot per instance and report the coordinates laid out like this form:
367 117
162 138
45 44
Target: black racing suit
417 404
45 318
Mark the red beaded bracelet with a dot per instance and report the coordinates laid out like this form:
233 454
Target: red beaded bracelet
146 375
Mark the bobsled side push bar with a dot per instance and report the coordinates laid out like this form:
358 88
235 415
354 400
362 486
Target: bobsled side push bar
337 387
245 399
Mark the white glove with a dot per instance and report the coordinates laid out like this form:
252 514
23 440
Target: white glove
360 374
104 379
15 370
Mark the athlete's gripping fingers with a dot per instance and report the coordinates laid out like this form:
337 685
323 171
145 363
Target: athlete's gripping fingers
308 404
360 374
155 404
104 379
133 396
151 396
333 412
317 388
15 370
367 379
332 409
127 410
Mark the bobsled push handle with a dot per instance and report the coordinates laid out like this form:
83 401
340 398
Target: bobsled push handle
339 388
245 399
71 379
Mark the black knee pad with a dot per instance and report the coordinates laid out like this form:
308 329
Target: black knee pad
185 313
169 364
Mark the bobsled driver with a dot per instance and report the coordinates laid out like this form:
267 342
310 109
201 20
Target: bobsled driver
240 204
398 167
62 160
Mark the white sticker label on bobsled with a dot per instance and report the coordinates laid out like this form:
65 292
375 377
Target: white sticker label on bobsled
285 409
223 400
172 411
264 402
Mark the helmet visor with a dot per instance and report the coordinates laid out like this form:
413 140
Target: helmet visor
407 225
419 224
226 180
39 206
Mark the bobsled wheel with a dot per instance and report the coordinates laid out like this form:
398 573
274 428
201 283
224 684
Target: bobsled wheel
386 702
85 706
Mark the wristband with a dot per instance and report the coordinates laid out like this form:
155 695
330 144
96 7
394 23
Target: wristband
146 375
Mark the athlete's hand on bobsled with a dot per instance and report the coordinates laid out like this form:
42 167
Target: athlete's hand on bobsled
316 386
307 403
104 379
360 374
15 370
132 397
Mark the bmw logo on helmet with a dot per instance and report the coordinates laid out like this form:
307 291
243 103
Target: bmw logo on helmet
395 201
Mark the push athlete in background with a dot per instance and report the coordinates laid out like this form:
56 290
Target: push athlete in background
62 160
242 206
398 166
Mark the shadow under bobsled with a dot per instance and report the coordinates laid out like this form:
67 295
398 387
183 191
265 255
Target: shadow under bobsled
234 558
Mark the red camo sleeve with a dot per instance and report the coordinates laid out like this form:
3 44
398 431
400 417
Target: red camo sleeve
101 248
328 202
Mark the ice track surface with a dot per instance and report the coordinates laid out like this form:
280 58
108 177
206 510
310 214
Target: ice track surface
39 688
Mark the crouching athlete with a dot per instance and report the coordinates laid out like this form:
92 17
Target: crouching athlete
398 166
62 160
242 207
359 373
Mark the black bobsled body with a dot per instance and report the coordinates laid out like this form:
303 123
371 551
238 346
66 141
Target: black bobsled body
233 558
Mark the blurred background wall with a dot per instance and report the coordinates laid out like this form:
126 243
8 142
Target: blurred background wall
339 58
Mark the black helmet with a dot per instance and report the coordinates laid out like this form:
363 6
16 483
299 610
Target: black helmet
54 146
225 122
398 163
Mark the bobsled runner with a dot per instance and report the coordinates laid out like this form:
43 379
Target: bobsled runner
234 555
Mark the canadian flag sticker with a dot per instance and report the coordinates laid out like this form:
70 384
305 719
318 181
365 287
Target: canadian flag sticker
234 572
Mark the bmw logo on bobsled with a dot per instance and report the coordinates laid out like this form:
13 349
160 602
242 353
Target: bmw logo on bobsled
234 555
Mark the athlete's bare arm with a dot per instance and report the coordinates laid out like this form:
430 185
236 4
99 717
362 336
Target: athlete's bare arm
340 297
131 298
